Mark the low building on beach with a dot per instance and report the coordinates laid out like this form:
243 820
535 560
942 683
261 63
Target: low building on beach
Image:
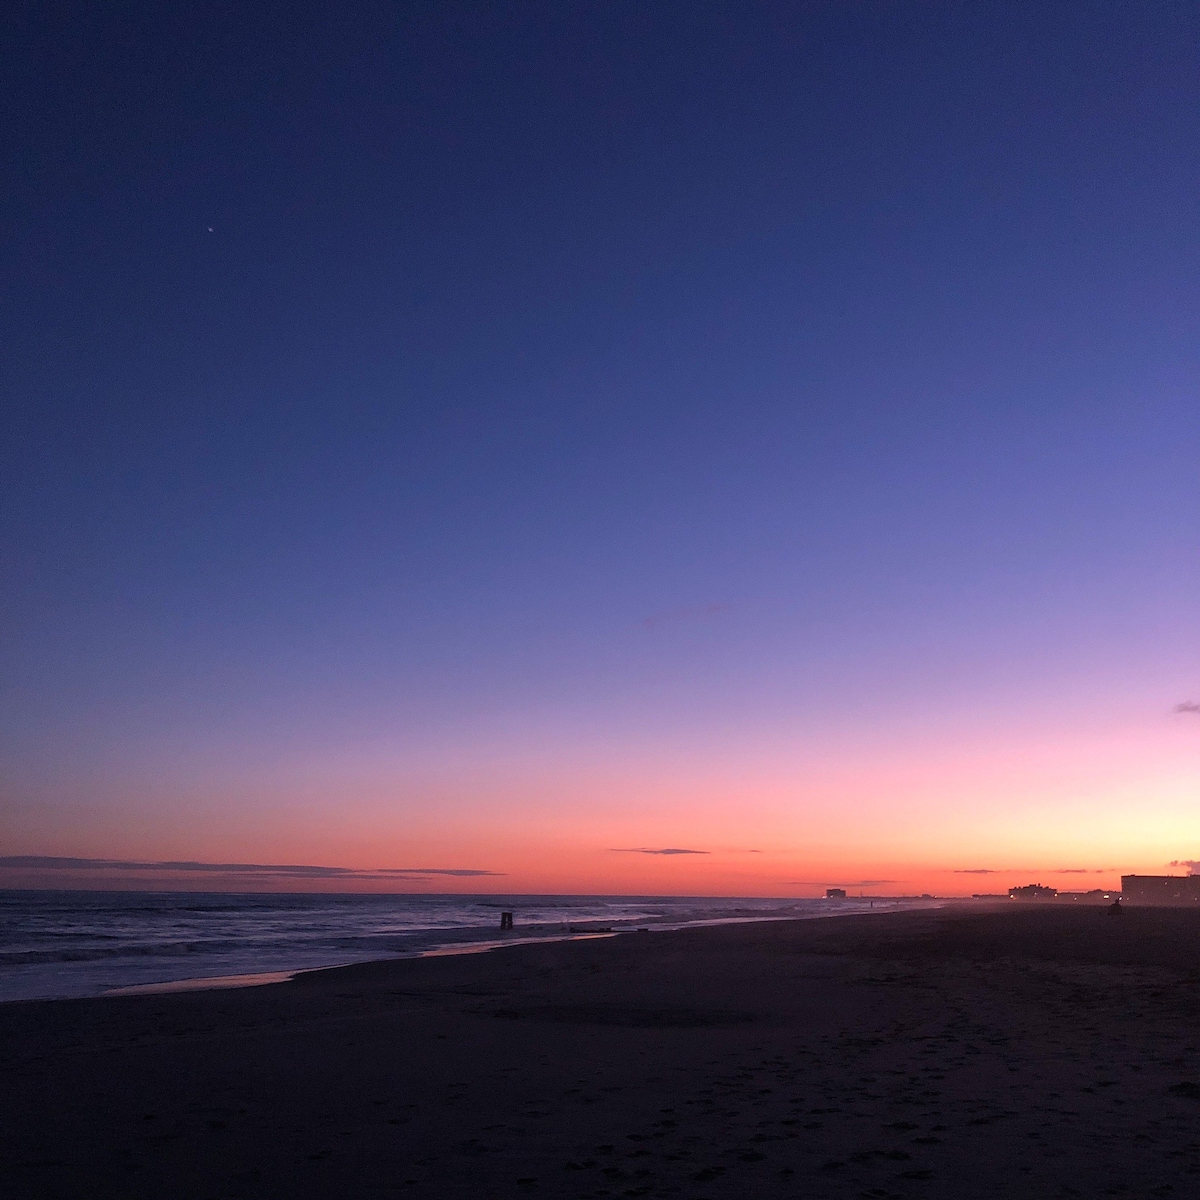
1032 891
1094 896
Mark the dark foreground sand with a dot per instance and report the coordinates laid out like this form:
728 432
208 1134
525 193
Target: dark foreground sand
1034 1052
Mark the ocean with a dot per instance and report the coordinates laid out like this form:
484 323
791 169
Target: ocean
61 944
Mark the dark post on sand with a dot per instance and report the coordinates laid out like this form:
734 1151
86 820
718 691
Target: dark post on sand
506 920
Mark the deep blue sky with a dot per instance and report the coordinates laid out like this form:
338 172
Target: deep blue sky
443 372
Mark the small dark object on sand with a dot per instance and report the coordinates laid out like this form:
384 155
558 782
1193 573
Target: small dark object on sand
506 920
1190 1091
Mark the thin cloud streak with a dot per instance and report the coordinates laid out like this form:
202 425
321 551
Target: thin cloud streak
39 862
1188 706
858 883
1033 870
647 850
674 616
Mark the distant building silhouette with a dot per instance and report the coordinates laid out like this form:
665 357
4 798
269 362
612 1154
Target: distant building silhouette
835 893
1174 890
1032 891
1095 896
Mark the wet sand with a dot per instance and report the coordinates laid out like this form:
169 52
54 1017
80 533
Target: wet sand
1034 1051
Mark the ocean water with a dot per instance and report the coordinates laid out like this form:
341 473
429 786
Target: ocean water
58 944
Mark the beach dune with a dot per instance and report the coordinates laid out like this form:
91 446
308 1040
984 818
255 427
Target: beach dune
1024 1051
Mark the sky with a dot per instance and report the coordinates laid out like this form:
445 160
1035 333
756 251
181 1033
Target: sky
513 445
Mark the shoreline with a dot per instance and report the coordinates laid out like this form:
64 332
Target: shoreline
464 943
203 983
278 973
261 978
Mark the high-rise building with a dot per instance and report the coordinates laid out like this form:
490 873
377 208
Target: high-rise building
1175 890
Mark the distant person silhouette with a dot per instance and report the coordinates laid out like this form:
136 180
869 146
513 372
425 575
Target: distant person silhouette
1115 909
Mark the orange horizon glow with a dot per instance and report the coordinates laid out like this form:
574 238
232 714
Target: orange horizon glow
1075 809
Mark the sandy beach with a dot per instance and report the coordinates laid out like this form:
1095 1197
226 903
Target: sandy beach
1033 1051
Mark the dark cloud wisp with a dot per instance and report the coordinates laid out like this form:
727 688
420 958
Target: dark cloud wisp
649 850
858 883
41 862
674 616
1033 870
